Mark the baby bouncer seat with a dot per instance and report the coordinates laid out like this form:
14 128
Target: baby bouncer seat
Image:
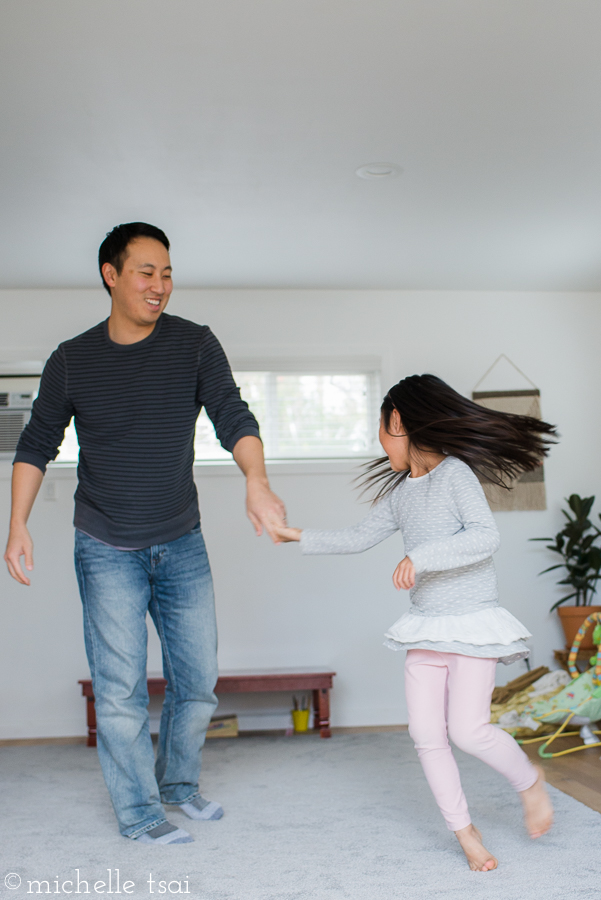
579 703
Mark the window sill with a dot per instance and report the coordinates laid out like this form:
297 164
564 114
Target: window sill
350 466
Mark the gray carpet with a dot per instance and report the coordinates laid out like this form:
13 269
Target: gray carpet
346 819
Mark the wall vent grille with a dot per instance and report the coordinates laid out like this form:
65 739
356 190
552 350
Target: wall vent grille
11 426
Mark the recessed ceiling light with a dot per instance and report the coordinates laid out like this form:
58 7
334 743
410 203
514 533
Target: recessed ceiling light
378 171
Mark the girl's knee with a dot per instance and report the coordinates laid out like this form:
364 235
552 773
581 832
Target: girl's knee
426 736
472 739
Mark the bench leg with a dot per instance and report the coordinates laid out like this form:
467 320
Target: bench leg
321 712
91 715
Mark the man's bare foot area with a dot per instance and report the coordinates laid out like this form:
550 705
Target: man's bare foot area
538 811
478 857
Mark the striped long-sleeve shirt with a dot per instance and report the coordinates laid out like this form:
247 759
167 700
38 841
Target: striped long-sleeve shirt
135 409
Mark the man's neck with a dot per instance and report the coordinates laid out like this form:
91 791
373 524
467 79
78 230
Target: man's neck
124 331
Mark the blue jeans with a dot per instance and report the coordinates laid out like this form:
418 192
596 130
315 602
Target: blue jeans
118 587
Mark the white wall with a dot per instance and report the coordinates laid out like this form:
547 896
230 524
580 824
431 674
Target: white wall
276 608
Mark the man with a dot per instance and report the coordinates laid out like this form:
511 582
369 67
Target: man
135 384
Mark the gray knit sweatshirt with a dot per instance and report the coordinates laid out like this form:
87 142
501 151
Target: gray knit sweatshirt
450 536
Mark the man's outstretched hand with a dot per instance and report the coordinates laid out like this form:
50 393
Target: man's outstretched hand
265 509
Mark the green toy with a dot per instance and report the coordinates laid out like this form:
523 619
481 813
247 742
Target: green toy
579 703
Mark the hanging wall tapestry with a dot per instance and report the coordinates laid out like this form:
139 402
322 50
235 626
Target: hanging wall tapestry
528 491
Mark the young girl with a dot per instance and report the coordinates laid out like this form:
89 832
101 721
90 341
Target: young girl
436 444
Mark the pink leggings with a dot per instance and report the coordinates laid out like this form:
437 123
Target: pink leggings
446 691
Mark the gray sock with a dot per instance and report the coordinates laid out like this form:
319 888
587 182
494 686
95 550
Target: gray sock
165 834
199 808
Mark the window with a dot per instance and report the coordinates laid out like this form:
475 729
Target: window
69 449
302 415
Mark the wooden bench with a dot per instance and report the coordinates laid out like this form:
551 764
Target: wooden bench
246 681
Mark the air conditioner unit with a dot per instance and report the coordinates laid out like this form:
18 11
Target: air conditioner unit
17 394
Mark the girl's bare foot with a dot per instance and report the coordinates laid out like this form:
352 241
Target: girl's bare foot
478 857
538 812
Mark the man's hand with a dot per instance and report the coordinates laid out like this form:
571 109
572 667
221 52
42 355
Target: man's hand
19 544
264 509
26 483
404 575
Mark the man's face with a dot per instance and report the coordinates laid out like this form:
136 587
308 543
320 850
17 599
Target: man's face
142 290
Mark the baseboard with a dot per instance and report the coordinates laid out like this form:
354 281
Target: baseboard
369 729
351 729
357 729
25 742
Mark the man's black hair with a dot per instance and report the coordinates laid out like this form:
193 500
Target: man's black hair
113 249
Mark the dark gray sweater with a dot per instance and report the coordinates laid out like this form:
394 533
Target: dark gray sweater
135 408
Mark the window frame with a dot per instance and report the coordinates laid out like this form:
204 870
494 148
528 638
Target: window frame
370 366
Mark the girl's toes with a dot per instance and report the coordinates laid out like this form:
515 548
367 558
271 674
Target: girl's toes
478 857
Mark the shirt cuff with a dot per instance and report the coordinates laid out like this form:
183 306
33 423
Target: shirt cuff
32 458
304 542
249 431
418 560
310 542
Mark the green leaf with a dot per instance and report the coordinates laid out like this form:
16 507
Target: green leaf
577 545
563 600
587 505
550 569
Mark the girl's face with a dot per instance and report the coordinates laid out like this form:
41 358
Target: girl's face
395 443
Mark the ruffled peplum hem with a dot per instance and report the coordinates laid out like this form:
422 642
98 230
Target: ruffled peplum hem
491 633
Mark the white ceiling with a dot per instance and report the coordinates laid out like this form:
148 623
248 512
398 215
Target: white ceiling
237 126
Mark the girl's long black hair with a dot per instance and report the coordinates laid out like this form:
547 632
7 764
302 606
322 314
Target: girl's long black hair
497 446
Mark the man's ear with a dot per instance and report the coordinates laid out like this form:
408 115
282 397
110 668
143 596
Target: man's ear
109 273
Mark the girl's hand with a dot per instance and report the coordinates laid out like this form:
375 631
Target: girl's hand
404 575
286 534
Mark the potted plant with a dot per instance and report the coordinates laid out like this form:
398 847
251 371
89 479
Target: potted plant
581 559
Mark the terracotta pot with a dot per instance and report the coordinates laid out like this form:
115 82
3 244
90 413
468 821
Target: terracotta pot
572 618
